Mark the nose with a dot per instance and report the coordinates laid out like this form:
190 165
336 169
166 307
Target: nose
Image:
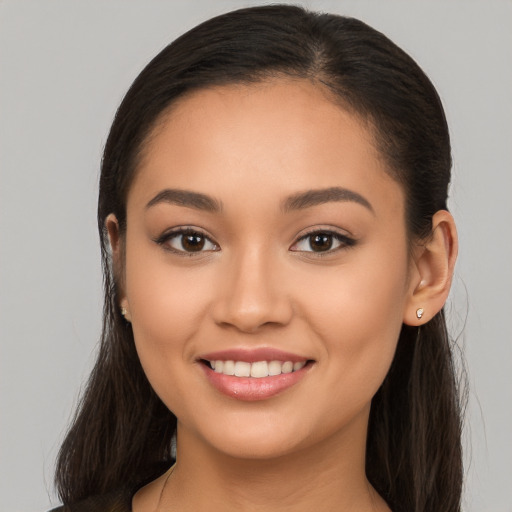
252 294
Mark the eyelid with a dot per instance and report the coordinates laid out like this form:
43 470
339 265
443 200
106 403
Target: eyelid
346 241
175 232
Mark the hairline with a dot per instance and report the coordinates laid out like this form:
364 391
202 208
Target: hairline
320 81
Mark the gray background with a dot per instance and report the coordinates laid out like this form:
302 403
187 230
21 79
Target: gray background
64 66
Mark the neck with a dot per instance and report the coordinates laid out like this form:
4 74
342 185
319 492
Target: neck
326 476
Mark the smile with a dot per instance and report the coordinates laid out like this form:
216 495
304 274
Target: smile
257 370
254 374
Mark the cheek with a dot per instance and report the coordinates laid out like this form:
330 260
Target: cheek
358 312
166 306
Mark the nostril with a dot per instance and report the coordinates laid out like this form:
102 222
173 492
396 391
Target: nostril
249 309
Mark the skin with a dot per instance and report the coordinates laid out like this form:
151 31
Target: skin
259 284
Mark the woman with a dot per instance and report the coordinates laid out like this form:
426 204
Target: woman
277 253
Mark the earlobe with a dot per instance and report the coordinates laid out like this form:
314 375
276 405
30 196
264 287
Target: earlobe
114 236
434 265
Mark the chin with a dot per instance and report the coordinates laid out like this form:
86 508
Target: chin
263 439
256 448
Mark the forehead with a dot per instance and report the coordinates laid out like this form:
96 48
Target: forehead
282 135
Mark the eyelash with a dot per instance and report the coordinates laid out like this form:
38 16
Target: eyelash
166 237
344 241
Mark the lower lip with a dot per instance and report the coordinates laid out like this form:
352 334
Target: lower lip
251 389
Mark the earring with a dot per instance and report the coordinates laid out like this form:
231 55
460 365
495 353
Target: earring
419 313
124 312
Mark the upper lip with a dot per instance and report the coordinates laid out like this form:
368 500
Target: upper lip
253 355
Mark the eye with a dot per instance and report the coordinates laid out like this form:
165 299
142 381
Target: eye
187 240
322 241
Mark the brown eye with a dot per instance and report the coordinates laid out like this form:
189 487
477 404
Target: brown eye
192 243
320 242
186 241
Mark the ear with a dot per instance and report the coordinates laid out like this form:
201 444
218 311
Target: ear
431 277
116 246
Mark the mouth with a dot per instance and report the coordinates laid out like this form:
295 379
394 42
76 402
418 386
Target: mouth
255 374
256 370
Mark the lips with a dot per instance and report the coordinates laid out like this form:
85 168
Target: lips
256 374
253 355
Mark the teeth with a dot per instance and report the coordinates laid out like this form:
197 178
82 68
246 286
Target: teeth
259 369
274 368
229 368
287 367
242 369
298 366
256 370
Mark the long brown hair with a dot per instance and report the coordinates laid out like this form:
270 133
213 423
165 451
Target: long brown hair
121 434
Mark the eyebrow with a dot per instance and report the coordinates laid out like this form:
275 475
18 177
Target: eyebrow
297 201
321 196
188 199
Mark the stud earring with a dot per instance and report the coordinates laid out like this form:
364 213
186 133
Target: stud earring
123 311
419 313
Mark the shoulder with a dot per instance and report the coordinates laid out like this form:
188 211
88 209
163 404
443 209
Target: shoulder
118 501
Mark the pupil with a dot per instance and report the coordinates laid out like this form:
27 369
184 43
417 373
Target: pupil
192 242
321 242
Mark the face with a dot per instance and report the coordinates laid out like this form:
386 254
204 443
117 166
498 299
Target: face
265 239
